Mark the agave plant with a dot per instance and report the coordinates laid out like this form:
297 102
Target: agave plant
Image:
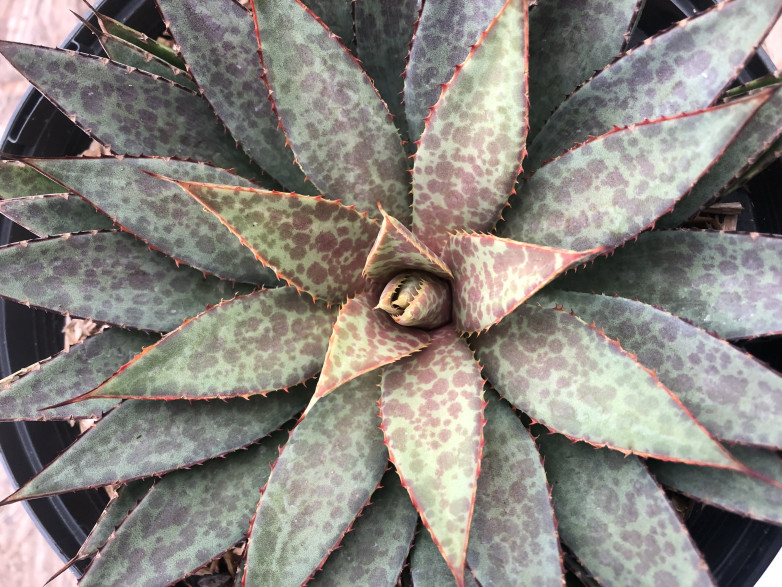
458 364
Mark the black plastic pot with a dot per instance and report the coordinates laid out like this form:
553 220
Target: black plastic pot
737 550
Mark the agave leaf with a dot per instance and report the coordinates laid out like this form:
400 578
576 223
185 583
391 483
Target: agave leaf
445 32
432 410
615 517
375 549
644 84
417 299
110 277
363 340
737 398
323 478
240 98
314 244
54 214
383 32
493 275
158 212
127 53
334 119
17 180
749 146
144 438
428 566
581 383
335 14
595 31
188 518
729 283
736 492
462 178
132 111
271 339
513 539
397 249
25 394
134 37
608 190
115 514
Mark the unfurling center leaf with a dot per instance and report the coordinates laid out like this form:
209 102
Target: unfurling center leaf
417 298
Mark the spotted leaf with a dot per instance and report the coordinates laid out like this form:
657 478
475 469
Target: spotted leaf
729 283
513 539
314 244
335 14
581 383
492 276
397 249
133 112
445 32
471 150
25 394
322 480
363 340
240 99
144 438
271 339
615 517
735 492
17 180
375 549
428 567
188 518
610 189
737 398
645 83
54 214
335 121
432 411
110 277
596 32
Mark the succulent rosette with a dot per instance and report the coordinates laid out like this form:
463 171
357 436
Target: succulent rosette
364 258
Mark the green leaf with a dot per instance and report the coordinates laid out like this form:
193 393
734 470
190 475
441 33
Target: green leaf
230 79
110 277
645 82
322 480
595 32
445 32
314 244
271 339
25 394
132 111
608 190
428 566
18 181
384 29
492 276
144 438
158 212
375 549
735 396
729 283
750 145
616 519
397 249
335 14
335 121
513 539
432 410
471 150
188 518
735 492
54 214
581 383
363 340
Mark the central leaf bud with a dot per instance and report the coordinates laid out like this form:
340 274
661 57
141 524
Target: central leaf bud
417 298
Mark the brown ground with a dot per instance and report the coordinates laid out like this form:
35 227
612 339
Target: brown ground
25 558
